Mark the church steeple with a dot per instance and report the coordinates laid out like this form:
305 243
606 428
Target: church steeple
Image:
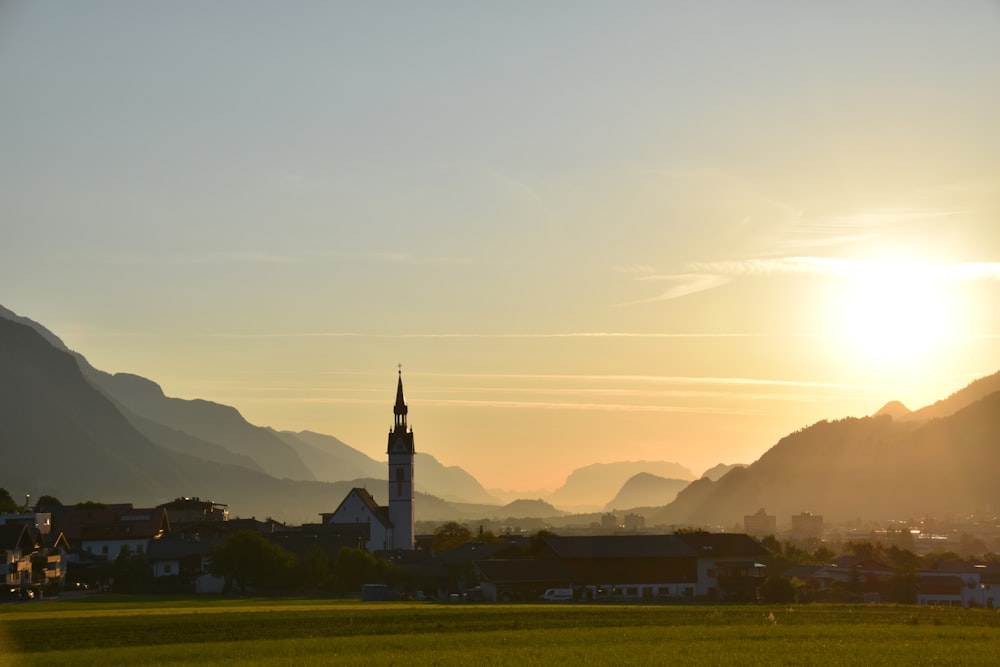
400 408
401 488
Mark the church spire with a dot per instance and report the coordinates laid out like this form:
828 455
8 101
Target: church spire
400 408
401 489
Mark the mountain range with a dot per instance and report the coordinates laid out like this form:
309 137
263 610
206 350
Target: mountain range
78 432
70 430
940 461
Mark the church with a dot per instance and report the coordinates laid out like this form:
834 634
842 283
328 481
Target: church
388 528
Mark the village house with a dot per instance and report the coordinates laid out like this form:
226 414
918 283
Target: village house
182 565
633 567
106 532
17 545
47 558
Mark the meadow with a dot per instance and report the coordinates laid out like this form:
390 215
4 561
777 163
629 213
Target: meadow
111 630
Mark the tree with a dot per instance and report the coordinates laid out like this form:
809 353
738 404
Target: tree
133 572
450 535
823 556
354 567
47 504
247 559
7 503
778 589
313 569
91 505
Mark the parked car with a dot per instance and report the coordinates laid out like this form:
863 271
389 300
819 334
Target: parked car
558 594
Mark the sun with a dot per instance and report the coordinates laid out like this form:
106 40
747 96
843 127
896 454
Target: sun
895 313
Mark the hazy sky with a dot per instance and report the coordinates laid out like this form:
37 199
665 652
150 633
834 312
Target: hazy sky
590 231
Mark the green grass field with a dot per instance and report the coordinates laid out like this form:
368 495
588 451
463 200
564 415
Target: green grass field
110 630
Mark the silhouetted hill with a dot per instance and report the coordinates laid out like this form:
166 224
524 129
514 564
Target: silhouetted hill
531 509
184 425
717 471
589 488
894 409
60 436
452 483
962 398
332 460
50 337
329 459
871 468
646 490
212 422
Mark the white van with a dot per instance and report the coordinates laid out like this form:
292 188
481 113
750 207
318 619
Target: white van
558 594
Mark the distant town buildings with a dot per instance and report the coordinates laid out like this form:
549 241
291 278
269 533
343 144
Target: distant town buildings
760 524
806 526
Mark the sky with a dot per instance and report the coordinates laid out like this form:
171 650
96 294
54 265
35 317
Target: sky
588 231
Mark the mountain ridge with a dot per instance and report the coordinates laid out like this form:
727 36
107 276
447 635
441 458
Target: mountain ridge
871 467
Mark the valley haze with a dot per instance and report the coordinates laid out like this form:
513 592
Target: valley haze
71 429
589 233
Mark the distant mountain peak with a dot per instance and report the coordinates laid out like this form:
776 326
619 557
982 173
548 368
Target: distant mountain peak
894 409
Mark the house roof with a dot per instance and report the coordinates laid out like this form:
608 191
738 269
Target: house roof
16 536
172 549
381 514
723 545
53 540
111 523
619 546
473 551
523 570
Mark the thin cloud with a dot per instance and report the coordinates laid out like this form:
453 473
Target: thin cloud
210 257
952 272
505 336
859 226
416 260
684 284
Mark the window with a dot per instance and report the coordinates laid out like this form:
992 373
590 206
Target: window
168 568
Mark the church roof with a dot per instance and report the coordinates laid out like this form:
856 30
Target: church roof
379 513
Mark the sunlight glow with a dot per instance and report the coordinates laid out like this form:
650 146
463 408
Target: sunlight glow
896 313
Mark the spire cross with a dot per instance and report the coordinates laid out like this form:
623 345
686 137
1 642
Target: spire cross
400 367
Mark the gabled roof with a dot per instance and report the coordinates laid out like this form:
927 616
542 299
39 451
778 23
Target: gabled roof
111 523
16 536
54 541
380 514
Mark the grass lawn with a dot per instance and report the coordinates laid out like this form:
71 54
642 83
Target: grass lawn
109 630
